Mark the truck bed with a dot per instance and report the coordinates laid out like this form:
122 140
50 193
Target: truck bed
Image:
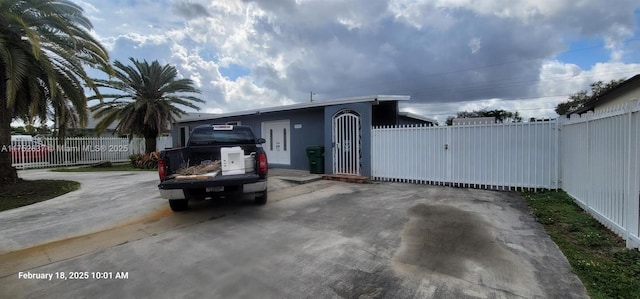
183 157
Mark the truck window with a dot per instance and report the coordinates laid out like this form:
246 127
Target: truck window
208 136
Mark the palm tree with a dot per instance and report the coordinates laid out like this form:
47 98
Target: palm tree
44 47
146 103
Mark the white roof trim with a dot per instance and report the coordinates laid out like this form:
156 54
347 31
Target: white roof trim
193 116
417 116
321 103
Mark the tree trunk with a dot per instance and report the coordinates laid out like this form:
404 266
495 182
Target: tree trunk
150 144
8 174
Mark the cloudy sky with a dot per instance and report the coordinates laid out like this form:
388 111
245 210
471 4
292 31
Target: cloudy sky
448 55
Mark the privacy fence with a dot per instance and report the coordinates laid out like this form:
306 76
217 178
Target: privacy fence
491 156
50 152
594 158
600 155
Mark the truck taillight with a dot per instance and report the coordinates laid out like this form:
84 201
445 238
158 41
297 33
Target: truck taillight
161 170
262 163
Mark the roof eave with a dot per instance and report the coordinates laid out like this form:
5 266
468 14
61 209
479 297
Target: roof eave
316 104
417 116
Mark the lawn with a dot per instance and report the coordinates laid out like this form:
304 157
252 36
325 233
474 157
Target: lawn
598 256
26 192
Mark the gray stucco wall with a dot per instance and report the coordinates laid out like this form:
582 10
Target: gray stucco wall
311 132
315 129
404 120
364 109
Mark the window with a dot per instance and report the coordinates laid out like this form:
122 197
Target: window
285 138
183 136
207 135
271 139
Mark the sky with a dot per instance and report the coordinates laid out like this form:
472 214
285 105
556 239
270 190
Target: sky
448 55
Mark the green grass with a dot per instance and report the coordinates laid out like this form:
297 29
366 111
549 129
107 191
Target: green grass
599 257
26 192
114 167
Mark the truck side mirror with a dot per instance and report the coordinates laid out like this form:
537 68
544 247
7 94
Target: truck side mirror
261 140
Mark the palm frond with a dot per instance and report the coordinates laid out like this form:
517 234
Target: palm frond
149 93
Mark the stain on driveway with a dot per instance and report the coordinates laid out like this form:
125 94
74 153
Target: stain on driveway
457 243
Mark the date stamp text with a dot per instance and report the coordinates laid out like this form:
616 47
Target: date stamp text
74 275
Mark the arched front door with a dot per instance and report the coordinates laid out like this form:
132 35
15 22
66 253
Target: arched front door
346 133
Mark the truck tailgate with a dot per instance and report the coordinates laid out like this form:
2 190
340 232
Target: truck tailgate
220 180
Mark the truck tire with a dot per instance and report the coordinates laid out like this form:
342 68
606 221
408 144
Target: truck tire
261 198
178 204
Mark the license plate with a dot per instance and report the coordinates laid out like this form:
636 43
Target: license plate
215 189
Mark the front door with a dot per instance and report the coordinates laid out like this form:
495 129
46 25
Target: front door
346 142
278 137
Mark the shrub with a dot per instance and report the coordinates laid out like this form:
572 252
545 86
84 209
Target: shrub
146 161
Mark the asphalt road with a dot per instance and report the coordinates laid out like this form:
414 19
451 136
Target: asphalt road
318 240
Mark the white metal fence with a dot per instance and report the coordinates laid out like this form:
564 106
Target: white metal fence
600 167
491 156
49 151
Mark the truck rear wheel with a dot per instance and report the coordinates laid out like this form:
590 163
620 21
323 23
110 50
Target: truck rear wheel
261 198
178 204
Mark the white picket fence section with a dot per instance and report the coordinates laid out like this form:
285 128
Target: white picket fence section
600 167
50 152
491 156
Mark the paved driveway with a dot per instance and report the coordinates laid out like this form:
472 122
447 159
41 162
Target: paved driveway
322 239
104 200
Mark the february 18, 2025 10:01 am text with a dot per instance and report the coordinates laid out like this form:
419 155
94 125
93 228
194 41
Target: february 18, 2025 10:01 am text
73 275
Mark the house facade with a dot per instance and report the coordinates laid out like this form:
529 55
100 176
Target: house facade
341 126
625 92
408 118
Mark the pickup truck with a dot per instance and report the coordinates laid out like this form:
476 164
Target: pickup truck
208 143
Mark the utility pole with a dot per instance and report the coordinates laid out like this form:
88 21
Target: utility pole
311 96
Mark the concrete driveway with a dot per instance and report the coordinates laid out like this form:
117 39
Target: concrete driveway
317 240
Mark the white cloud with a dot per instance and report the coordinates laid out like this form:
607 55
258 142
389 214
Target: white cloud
474 45
562 79
462 54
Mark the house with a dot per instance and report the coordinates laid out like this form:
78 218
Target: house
625 92
341 126
408 118
110 131
90 128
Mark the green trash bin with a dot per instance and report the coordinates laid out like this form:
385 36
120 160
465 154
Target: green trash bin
316 159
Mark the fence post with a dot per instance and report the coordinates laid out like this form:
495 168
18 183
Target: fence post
631 177
447 149
589 175
558 147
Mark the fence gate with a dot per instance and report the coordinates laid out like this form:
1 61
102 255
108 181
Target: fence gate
490 156
346 133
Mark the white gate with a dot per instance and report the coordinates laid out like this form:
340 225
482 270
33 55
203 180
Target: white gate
346 142
491 156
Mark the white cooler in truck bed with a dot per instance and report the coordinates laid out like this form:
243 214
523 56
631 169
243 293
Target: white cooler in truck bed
232 160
